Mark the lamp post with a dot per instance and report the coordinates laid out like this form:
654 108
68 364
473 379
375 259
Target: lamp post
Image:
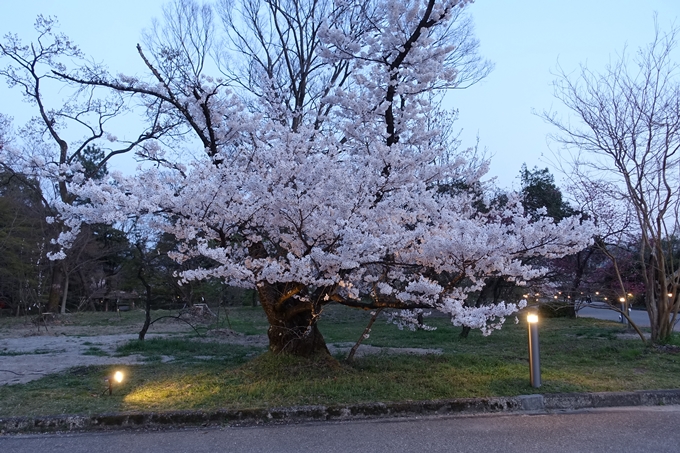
624 320
534 355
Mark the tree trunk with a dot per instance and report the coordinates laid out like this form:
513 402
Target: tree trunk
364 335
65 295
292 322
55 288
582 259
658 304
147 307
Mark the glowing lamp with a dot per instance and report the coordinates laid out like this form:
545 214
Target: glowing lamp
534 355
117 376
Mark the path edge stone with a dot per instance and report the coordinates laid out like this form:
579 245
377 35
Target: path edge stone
536 403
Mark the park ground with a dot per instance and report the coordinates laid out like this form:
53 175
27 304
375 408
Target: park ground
219 360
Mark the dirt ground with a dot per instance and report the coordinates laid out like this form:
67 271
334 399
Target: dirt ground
29 351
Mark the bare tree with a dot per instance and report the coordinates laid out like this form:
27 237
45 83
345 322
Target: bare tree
75 123
626 135
616 231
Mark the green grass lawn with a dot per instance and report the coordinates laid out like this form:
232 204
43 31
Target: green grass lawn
576 355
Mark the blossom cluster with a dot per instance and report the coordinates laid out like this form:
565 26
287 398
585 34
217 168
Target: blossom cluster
350 208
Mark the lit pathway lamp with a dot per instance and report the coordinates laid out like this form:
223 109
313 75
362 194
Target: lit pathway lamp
624 320
117 377
534 359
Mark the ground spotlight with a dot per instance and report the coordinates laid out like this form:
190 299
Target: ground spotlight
117 377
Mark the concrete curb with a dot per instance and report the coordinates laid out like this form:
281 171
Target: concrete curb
226 417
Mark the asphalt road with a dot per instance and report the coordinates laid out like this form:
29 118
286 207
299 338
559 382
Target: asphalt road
598 311
621 430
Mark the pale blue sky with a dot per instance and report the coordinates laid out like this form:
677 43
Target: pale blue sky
525 39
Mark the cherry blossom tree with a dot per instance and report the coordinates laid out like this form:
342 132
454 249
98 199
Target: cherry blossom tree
326 188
